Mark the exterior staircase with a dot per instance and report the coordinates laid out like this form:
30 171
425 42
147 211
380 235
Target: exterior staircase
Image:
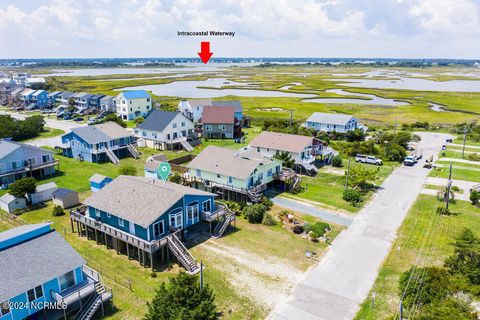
256 193
309 167
113 158
95 302
183 255
296 184
133 151
186 145
223 224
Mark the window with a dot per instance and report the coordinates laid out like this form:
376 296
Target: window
260 176
154 135
4 308
269 172
206 206
192 212
218 175
198 172
67 280
2 167
46 158
230 180
97 213
258 149
109 215
144 133
176 219
222 127
208 127
15 165
183 124
31 295
120 222
38 292
174 125
158 229
277 169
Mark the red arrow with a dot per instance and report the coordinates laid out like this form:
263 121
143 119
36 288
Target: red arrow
205 53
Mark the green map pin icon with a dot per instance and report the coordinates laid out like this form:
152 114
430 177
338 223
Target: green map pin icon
163 171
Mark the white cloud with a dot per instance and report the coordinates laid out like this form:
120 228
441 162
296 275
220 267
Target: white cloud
400 28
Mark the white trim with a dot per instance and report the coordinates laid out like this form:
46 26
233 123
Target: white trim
163 228
209 201
175 214
120 222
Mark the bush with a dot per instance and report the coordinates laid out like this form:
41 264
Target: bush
395 152
269 220
318 229
23 186
139 120
153 275
475 197
233 206
455 188
355 135
283 214
127 170
337 162
473 157
266 202
353 196
255 213
443 211
57 211
298 229
176 178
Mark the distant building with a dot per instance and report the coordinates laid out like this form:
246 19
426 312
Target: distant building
166 130
95 101
40 98
65 198
107 104
99 143
64 97
39 268
42 193
82 100
11 204
133 104
19 160
193 109
220 123
329 122
52 97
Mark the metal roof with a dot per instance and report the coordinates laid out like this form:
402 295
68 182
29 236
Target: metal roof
135 94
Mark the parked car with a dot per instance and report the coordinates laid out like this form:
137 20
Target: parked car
410 161
67 117
363 158
78 119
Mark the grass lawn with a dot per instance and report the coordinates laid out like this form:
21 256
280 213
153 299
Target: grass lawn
326 189
412 233
270 247
46 133
457 173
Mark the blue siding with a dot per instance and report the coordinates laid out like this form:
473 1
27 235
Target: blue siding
113 221
24 236
97 186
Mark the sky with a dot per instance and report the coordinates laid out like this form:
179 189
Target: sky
268 28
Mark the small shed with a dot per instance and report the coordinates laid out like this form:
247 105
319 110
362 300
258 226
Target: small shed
65 198
98 181
10 203
43 193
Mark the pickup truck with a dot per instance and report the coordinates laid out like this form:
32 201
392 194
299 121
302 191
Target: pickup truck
410 161
368 159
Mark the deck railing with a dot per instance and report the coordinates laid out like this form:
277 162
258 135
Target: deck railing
80 215
74 294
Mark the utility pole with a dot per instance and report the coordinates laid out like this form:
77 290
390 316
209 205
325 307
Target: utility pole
401 310
449 186
201 274
464 141
348 172
291 116
395 126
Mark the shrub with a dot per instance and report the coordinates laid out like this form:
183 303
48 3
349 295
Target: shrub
355 135
57 211
139 120
20 187
455 188
443 211
255 213
475 197
269 220
318 229
298 229
283 213
353 196
473 157
337 162
233 206
266 202
153 275
176 178
127 170
395 152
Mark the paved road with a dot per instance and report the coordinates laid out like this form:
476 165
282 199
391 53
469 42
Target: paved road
312 210
50 123
335 288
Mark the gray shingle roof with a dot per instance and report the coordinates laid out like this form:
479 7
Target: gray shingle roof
28 151
61 193
138 199
151 165
101 132
330 118
158 120
282 141
34 262
46 186
228 162
7 198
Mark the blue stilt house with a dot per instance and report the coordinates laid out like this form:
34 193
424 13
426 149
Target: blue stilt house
146 218
43 277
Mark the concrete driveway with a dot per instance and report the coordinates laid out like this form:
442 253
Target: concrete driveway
337 286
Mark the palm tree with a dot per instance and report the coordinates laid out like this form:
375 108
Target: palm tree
286 159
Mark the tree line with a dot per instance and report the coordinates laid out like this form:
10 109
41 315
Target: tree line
16 129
